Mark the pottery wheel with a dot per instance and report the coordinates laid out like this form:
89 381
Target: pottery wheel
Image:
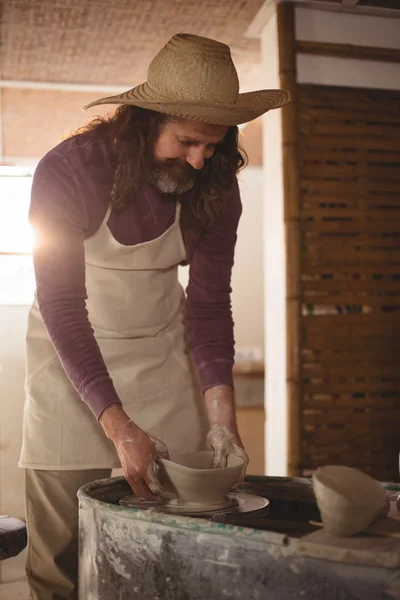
236 502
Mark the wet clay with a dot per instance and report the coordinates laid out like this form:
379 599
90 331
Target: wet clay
194 481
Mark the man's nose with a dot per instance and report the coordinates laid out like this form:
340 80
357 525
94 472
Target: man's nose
195 157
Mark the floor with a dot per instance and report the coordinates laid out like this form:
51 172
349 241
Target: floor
13 585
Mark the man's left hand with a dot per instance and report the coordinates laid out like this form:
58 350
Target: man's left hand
223 437
225 442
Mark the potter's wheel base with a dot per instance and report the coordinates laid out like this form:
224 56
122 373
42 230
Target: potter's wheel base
235 503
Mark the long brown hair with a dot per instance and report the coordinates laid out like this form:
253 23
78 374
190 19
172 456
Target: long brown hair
132 132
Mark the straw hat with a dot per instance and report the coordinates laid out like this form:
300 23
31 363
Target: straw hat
194 77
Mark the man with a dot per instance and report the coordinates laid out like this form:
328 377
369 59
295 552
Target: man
116 208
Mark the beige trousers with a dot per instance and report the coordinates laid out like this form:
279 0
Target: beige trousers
52 522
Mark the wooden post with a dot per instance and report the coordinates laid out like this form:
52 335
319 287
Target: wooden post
349 51
291 190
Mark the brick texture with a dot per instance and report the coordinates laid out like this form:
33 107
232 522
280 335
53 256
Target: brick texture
113 41
35 120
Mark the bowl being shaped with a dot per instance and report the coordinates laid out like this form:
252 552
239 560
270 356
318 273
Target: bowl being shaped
193 479
348 500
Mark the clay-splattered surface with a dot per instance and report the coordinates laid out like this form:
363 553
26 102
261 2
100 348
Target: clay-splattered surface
132 555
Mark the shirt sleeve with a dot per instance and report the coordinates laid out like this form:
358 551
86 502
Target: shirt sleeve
208 307
59 219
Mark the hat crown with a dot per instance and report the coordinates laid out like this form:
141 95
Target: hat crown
194 69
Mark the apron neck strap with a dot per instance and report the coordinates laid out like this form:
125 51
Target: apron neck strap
178 211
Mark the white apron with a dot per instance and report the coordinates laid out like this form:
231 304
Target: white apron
135 305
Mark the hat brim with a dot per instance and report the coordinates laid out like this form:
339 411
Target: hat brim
248 107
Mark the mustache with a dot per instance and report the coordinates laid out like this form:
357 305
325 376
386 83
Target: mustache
185 167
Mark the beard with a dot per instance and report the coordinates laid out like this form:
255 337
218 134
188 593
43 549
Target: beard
171 176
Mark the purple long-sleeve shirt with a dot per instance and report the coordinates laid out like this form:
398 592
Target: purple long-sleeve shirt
70 196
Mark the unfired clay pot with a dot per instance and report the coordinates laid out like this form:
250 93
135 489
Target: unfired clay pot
348 500
194 481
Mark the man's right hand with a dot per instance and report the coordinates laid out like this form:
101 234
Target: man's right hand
137 451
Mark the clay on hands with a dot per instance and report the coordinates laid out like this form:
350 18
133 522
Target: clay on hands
223 443
223 437
138 453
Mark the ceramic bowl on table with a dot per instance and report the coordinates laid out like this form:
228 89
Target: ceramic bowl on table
348 499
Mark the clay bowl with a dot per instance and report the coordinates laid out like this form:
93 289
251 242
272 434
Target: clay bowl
193 480
348 500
